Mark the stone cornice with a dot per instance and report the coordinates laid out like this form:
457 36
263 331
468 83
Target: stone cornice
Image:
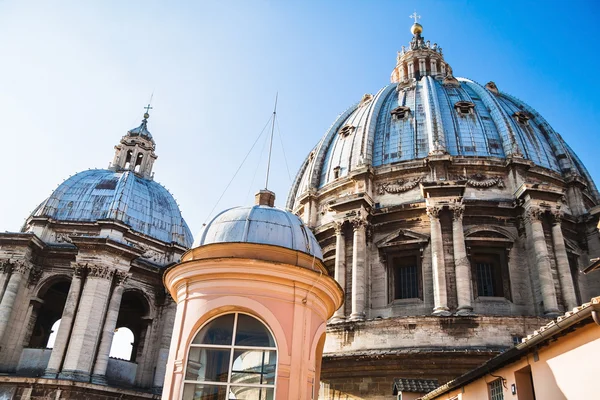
113 246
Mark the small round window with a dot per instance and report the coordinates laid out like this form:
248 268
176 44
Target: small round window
232 357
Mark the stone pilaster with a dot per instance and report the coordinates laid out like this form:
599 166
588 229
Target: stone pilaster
358 269
167 323
462 267
340 266
440 297
5 271
562 264
110 323
536 243
88 324
20 273
66 323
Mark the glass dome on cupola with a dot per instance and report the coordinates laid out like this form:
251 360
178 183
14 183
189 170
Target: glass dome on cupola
426 111
125 192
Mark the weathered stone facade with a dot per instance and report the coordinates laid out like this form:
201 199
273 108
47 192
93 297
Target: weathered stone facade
82 260
453 225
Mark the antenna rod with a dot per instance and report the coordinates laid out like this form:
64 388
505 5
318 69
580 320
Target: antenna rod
271 142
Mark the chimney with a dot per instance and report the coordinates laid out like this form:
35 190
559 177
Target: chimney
265 198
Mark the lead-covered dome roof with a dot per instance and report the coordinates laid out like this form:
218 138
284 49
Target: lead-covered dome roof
427 111
143 204
260 224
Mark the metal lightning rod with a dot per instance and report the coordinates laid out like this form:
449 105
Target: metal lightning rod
271 142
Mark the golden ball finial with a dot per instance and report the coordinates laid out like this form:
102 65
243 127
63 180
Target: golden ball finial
416 29
146 115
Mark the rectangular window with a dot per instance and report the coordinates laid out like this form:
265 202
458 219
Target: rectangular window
496 392
406 277
488 275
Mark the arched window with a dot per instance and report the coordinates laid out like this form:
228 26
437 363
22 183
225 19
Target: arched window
233 356
122 344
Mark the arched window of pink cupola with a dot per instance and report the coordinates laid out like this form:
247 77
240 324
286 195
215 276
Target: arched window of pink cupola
233 356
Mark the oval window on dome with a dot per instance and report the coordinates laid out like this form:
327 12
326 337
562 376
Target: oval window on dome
233 356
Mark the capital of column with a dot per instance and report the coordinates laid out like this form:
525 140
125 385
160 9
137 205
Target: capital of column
6 267
557 216
121 277
338 227
98 271
533 214
457 211
21 267
359 223
78 269
433 211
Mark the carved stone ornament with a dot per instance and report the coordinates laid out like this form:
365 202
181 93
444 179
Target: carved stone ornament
400 186
533 214
433 211
457 211
367 98
63 238
34 275
481 181
6 266
97 271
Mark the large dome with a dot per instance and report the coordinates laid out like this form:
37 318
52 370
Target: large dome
418 116
260 224
146 206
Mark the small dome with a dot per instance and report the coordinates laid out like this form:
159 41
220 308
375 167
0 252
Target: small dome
144 205
262 225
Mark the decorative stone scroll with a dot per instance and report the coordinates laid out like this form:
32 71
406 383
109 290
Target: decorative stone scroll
21 267
400 186
34 275
481 181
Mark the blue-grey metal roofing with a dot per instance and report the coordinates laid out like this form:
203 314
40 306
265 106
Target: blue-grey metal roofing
380 139
144 205
262 225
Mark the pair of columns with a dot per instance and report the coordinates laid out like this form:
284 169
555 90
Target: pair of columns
464 290
537 246
86 330
359 259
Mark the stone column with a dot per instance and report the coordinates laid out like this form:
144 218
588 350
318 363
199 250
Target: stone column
110 323
562 264
358 269
5 270
462 266
537 245
411 69
20 272
440 297
340 266
66 323
88 324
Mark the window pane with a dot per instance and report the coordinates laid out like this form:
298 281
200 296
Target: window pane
207 364
204 392
254 366
485 279
217 331
252 332
251 393
496 390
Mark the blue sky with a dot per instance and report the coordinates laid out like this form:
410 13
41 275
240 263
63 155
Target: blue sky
75 75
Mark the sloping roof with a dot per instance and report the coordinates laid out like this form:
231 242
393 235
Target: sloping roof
414 385
562 324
